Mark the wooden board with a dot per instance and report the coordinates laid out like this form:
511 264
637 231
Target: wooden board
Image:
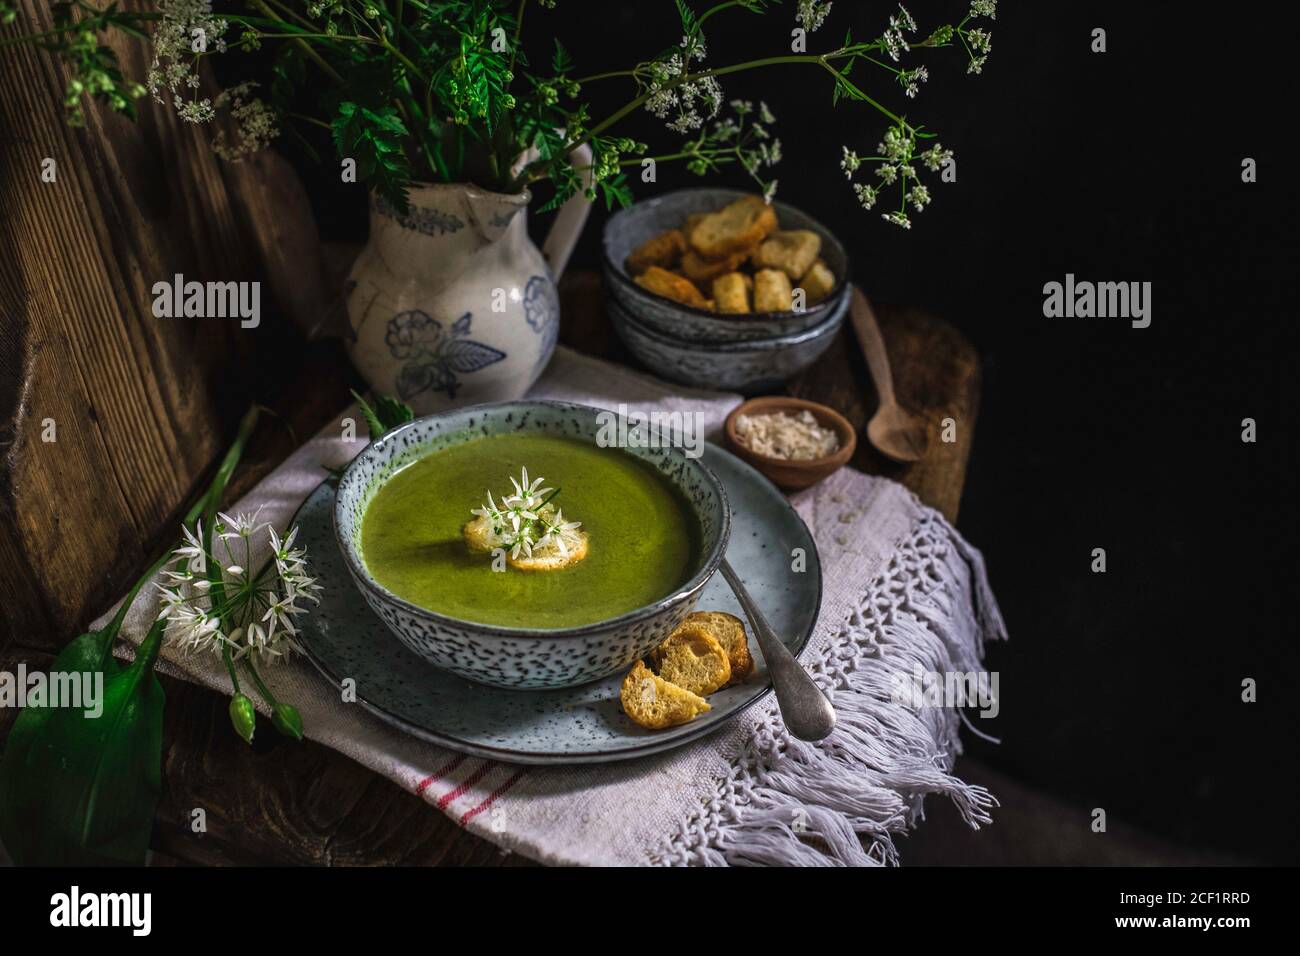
137 406
936 373
132 401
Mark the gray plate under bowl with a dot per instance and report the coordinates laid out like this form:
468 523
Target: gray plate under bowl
344 638
651 217
748 367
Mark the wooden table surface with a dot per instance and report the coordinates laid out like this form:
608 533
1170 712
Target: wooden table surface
302 803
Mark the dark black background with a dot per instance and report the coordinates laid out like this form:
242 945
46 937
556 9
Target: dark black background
1120 690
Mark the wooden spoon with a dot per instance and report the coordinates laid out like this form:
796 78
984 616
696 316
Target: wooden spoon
895 432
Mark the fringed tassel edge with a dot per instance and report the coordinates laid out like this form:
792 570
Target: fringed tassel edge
789 803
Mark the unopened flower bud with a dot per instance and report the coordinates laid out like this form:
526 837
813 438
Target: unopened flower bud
243 715
287 720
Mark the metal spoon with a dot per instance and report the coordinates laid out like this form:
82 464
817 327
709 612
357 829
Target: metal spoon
807 712
895 432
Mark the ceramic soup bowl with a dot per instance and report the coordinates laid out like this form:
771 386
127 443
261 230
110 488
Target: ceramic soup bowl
522 657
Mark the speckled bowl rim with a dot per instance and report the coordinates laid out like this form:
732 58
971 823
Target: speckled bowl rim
361 574
618 271
828 326
652 745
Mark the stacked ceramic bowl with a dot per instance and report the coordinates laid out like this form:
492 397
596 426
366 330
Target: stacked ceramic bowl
745 353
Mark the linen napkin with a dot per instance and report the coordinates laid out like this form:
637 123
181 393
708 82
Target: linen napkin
903 594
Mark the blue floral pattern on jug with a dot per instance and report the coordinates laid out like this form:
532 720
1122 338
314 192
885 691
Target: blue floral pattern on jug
542 312
430 222
434 357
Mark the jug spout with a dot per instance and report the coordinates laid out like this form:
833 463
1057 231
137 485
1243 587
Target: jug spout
493 213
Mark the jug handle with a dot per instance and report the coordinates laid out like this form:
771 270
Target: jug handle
570 219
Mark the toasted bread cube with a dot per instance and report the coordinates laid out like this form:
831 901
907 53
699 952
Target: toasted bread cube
792 252
478 534
731 292
478 538
692 658
703 271
552 557
655 703
664 250
741 225
818 282
678 288
772 291
729 631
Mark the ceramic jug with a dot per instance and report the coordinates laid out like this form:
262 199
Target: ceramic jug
451 303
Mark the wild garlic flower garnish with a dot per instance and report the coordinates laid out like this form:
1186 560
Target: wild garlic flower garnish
212 599
525 521
557 531
527 496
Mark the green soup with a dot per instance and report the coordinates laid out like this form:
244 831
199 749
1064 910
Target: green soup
642 537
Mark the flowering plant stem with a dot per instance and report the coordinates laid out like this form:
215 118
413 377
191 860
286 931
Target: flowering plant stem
433 89
80 786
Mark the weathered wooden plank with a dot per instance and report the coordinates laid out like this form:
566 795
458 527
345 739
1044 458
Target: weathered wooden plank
138 405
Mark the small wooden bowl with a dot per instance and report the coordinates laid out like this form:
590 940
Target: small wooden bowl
786 474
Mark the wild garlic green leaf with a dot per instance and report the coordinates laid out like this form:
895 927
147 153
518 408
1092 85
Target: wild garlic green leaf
77 789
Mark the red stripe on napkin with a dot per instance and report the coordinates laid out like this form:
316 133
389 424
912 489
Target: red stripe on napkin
468 782
439 774
471 814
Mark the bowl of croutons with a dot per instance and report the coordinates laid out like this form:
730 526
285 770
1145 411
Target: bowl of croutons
720 286
748 366
717 266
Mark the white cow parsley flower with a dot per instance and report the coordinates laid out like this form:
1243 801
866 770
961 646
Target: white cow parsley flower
898 163
811 14
255 124
911 80
851 163
894 39
187 31
936 157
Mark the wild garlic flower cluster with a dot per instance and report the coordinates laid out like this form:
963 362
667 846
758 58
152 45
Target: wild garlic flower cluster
213 602
525 521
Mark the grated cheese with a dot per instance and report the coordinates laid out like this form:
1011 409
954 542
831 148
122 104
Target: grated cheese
790 437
